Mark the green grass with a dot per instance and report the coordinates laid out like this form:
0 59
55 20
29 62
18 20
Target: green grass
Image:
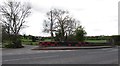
96 41
47 40
29 42
26 40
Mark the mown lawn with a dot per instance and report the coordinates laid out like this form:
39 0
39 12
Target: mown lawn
96 41
47 40
29 42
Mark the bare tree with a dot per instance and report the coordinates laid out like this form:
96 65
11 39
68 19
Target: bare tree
49 23
13 17
61 22
65 23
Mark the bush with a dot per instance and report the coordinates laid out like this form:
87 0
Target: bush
117 43
33 39
31 43
116 39
80 34
14 44
9 45
99 44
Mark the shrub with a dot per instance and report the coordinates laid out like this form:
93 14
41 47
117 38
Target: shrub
14 44
80 34
9 45
116 39
118 43
33 39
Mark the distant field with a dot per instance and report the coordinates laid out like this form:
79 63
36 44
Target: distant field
29 42
85 40
47 40
26 40
96 41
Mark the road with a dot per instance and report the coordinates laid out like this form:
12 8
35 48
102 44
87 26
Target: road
81 56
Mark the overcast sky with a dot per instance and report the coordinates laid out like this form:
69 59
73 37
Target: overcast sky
98 17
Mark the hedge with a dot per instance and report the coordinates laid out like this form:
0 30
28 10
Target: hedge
116 39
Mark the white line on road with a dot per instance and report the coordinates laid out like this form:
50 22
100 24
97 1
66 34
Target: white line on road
30 58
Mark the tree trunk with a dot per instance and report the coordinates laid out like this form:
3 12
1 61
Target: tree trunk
62 34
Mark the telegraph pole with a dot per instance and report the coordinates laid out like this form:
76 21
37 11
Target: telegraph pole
51 26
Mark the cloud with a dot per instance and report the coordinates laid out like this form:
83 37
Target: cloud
41 9
99 17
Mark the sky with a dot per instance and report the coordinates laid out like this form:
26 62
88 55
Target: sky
98 17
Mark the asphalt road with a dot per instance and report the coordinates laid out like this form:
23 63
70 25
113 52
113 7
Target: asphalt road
81 56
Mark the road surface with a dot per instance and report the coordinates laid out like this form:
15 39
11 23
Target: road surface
81 56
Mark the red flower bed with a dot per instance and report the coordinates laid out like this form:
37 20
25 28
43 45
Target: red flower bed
47 44
69 44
